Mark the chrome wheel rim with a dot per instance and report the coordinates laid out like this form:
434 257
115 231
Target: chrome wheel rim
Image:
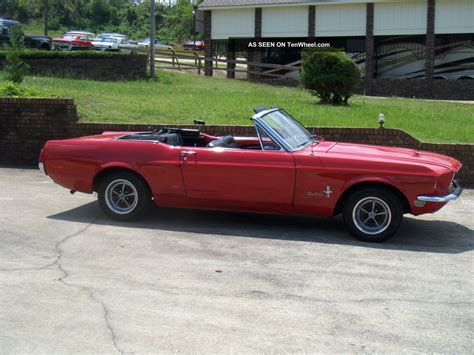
121 196
371 215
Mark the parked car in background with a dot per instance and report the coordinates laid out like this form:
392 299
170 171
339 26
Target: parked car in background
115 44
283 168
114 34
194 45
36 42
110 34
144 44
74 40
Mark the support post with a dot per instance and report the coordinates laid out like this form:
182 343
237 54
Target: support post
256 55
311 22
208 49
430 46
369 50
231 56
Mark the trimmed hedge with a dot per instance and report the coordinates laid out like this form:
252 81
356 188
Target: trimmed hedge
84 65
41 54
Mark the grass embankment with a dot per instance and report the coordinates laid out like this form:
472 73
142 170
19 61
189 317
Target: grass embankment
178 98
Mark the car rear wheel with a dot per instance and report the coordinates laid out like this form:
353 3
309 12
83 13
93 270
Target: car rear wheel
123 196
373 214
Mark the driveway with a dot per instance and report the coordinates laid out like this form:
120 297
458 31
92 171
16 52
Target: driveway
196 281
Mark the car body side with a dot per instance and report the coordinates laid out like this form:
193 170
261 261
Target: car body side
74 40
313 181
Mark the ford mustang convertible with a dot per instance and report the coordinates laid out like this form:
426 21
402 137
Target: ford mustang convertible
282 169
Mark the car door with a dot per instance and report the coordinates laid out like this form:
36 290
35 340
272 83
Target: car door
238 175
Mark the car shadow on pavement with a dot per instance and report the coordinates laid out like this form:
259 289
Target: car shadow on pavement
414 234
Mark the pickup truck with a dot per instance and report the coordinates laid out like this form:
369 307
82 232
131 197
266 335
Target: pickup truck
35 42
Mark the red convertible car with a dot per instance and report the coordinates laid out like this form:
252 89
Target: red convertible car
283 169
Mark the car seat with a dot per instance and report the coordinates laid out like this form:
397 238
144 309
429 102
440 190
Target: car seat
224 142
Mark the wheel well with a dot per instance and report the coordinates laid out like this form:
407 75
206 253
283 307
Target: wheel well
108 171
45 46
340 203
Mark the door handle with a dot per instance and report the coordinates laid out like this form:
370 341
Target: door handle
187 152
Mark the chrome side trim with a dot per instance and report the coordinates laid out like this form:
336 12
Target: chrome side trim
41 167
440 199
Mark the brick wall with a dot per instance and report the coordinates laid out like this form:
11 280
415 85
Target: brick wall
26 124
119 67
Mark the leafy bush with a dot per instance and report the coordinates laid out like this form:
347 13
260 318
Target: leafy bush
15 69
331 76
10 89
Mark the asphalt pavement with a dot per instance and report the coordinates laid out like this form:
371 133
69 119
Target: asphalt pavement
73 281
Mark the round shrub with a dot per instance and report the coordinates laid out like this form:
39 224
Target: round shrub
331 76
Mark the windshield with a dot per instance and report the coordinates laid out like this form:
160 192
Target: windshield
108 39
288 129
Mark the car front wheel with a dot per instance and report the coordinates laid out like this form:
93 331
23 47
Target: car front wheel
373 214
123 196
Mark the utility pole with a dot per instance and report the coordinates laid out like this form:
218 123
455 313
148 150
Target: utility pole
152 37
194 26
46 16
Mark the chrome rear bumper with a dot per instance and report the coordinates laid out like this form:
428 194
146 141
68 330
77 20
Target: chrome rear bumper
453 195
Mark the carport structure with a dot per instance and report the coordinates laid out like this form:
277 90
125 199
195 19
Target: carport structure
389 39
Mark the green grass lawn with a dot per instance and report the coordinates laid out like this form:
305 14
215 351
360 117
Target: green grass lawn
180 98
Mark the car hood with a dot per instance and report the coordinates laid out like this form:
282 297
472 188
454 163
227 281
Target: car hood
367 152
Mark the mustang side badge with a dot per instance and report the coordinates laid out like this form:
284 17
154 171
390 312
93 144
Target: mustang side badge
326 192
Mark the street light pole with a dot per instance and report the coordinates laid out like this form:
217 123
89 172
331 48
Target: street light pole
152 37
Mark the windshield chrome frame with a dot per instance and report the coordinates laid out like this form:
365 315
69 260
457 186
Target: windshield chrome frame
257 118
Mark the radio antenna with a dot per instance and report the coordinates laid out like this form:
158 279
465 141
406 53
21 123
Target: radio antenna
313 130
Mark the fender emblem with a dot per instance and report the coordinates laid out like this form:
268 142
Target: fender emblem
326 192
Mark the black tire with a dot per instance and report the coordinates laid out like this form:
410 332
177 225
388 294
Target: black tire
123 196
364 217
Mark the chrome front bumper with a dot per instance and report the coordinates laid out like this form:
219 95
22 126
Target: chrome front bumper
41 167
453 195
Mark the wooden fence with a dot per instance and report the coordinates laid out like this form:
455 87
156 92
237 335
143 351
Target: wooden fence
193 60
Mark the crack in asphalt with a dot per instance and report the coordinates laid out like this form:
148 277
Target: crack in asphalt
255 294
90 293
